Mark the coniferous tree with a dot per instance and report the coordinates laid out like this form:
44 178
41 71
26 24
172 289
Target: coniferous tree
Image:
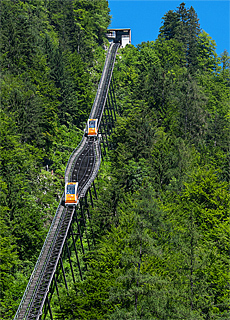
192 123
171 23
183 26
193 32
225 60
201 218
148 263
206 54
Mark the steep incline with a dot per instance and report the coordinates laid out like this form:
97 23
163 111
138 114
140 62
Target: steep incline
82 166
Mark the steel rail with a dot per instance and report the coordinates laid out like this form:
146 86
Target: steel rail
72 159
94 108
34 279
96 168
100 99
33 301
106 82
88 170
83 166
35 311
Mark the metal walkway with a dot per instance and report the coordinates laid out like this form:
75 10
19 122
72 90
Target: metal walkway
83 166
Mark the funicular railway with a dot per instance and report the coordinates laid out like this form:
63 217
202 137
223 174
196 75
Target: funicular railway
82 167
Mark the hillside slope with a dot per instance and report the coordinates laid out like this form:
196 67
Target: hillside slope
161 220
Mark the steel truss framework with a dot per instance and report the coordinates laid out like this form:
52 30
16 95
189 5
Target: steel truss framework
108 120
72 263
62 260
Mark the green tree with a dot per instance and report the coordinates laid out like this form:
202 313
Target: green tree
192 124
183 26
225 60
171 55
207 57
171 23
81 25
199 216
193 32
217 105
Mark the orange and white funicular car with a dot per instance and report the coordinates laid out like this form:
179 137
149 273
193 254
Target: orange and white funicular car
71 193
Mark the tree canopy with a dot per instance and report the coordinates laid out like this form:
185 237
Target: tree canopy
161 221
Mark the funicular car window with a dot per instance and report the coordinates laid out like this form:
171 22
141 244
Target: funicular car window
70 189
92 124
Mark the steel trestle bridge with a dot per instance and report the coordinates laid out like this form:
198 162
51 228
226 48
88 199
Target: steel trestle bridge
68 233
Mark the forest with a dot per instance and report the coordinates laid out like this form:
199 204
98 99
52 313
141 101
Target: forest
162 216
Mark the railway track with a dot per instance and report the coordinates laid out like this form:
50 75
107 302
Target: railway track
82 166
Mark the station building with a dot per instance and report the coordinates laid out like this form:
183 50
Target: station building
123 36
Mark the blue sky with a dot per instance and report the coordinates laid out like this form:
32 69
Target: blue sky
145 18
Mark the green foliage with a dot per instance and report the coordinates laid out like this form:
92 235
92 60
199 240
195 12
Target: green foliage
46 95
173 261
217 106
206 53
225 60
170 54
192 124
161 218
200 217
183 26
80 24
9 258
